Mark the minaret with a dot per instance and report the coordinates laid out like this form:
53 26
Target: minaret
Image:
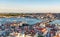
23 34
36 35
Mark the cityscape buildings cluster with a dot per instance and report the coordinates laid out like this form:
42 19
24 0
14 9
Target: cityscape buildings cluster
23 29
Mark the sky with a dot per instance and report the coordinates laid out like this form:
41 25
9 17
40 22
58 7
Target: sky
29 6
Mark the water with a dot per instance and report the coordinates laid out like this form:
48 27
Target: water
55 22
28 20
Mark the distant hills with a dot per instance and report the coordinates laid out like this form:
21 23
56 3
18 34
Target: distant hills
21 14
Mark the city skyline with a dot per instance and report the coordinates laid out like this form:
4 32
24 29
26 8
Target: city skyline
29 6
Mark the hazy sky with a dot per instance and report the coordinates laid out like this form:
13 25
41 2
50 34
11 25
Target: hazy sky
29 5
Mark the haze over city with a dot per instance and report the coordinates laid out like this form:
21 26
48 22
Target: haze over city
19 6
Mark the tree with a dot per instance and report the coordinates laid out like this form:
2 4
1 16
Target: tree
40 36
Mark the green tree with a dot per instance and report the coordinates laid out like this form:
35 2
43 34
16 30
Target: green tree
40 36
